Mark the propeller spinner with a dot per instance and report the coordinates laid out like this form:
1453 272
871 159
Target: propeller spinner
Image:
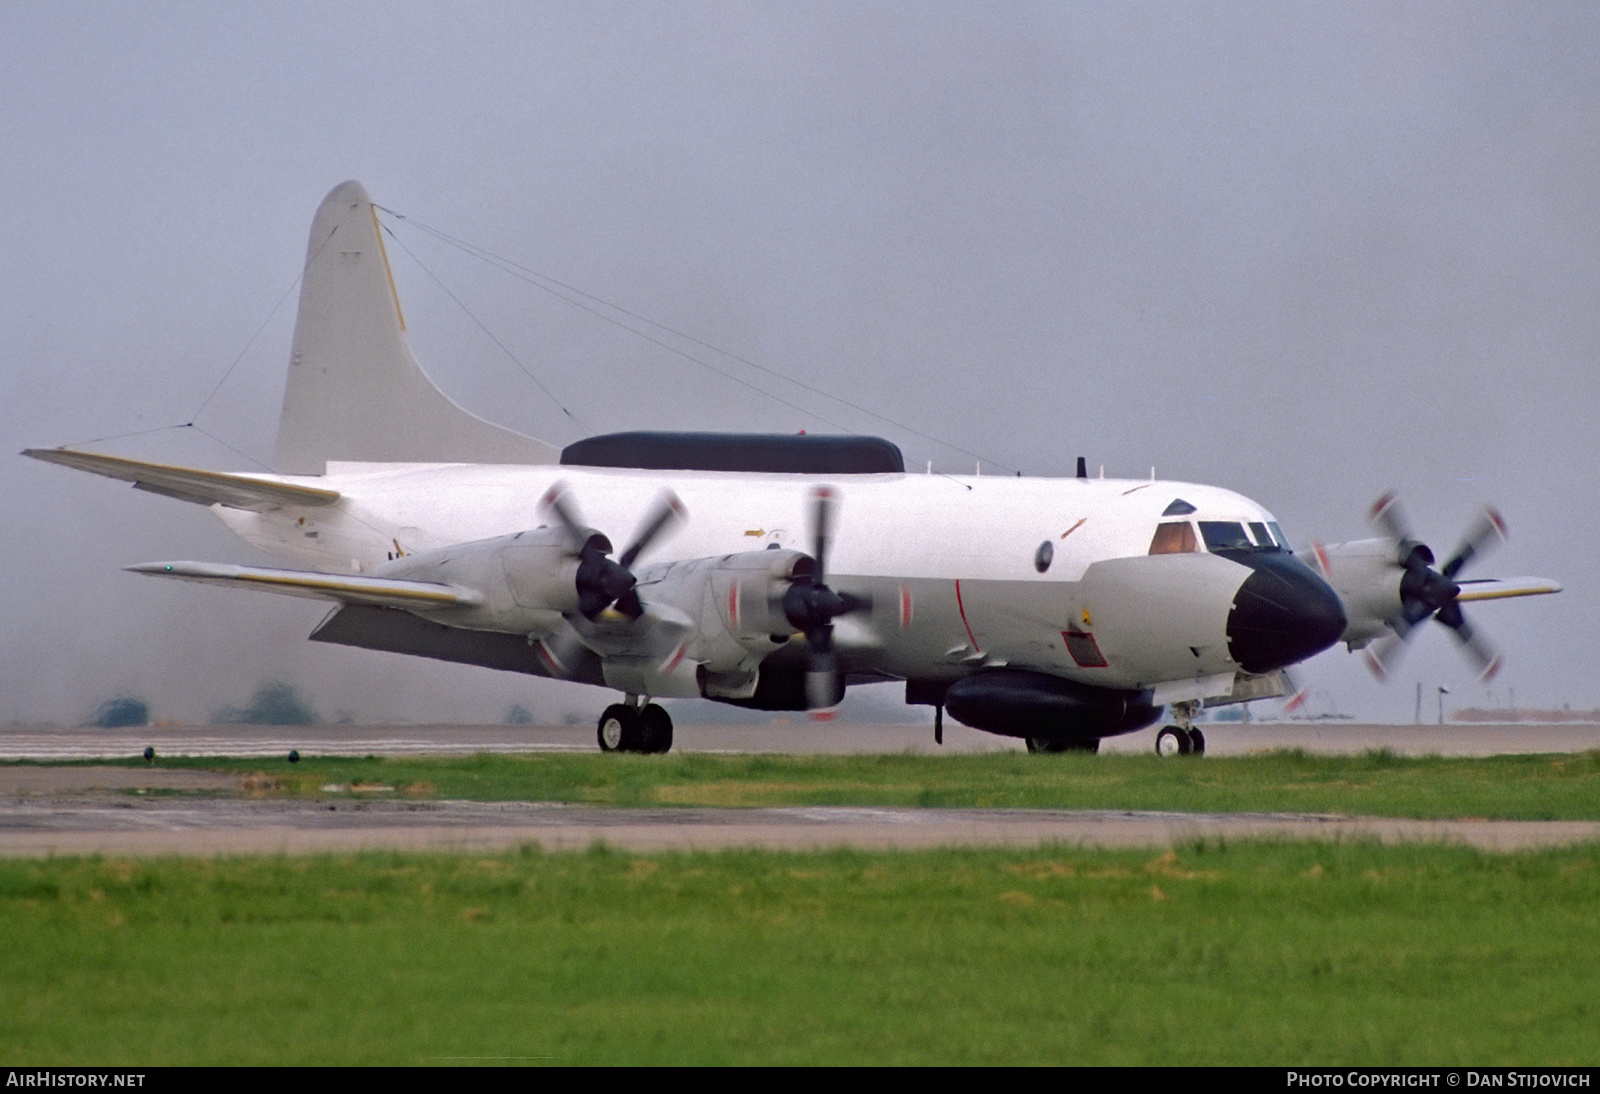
1426 592
603 583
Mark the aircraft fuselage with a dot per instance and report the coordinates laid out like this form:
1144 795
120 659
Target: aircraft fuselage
1055 575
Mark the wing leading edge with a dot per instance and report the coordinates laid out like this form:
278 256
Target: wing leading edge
382 592
191 484
1503 588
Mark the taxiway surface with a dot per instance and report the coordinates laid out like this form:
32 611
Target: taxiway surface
56 810
230 826
797 735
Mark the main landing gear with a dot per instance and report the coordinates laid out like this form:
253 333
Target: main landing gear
629 727
1182 739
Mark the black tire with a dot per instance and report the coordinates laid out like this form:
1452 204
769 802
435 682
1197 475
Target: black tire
1197 742
1173 741
655 729
619 729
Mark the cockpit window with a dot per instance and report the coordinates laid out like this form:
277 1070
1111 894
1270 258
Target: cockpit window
1174 537
1224 535
1268 536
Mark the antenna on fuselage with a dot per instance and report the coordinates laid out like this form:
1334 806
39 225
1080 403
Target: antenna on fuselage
1083 468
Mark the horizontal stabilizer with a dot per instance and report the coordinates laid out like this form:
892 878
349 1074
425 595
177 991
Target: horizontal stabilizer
191 484
385 592
1492 588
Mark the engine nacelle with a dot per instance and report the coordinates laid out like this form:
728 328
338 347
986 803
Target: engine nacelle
737 602
526 580
1366 574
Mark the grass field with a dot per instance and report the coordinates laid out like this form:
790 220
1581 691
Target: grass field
1256 953
1241 953
1563 786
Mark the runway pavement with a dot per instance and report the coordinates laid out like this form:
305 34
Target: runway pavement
59 825
54 810
798 735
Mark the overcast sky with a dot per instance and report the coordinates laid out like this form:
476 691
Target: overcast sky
1310 252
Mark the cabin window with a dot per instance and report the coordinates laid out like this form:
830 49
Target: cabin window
1174 537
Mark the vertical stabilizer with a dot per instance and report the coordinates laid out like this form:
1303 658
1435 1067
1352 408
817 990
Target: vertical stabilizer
355 391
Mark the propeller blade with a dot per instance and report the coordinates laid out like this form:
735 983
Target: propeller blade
558 502
1483 655
560 652
1298 692
601 581
1320 560
1384 655
1387 514
853 603
1487 532
1477 648
811 607
1426 592
821 525
667 511
822 685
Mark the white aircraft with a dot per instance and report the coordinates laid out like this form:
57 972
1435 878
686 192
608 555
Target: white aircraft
1060 611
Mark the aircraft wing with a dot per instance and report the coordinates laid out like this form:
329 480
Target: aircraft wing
1492 588
191 484
382 592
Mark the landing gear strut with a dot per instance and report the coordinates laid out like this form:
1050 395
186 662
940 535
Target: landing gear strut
1183 739
629 727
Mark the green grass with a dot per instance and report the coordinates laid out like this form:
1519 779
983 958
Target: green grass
1251 952
1256 953
1563 786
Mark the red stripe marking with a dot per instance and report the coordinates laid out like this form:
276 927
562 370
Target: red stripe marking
549 658
676 657
962 608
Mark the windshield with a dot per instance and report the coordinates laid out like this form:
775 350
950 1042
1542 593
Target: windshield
1226 535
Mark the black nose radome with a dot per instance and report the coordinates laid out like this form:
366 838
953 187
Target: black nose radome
1283 613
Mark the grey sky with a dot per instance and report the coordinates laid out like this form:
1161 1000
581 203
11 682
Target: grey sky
1309 252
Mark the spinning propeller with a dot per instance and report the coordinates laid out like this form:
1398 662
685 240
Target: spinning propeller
811 607
603 583
1426 592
